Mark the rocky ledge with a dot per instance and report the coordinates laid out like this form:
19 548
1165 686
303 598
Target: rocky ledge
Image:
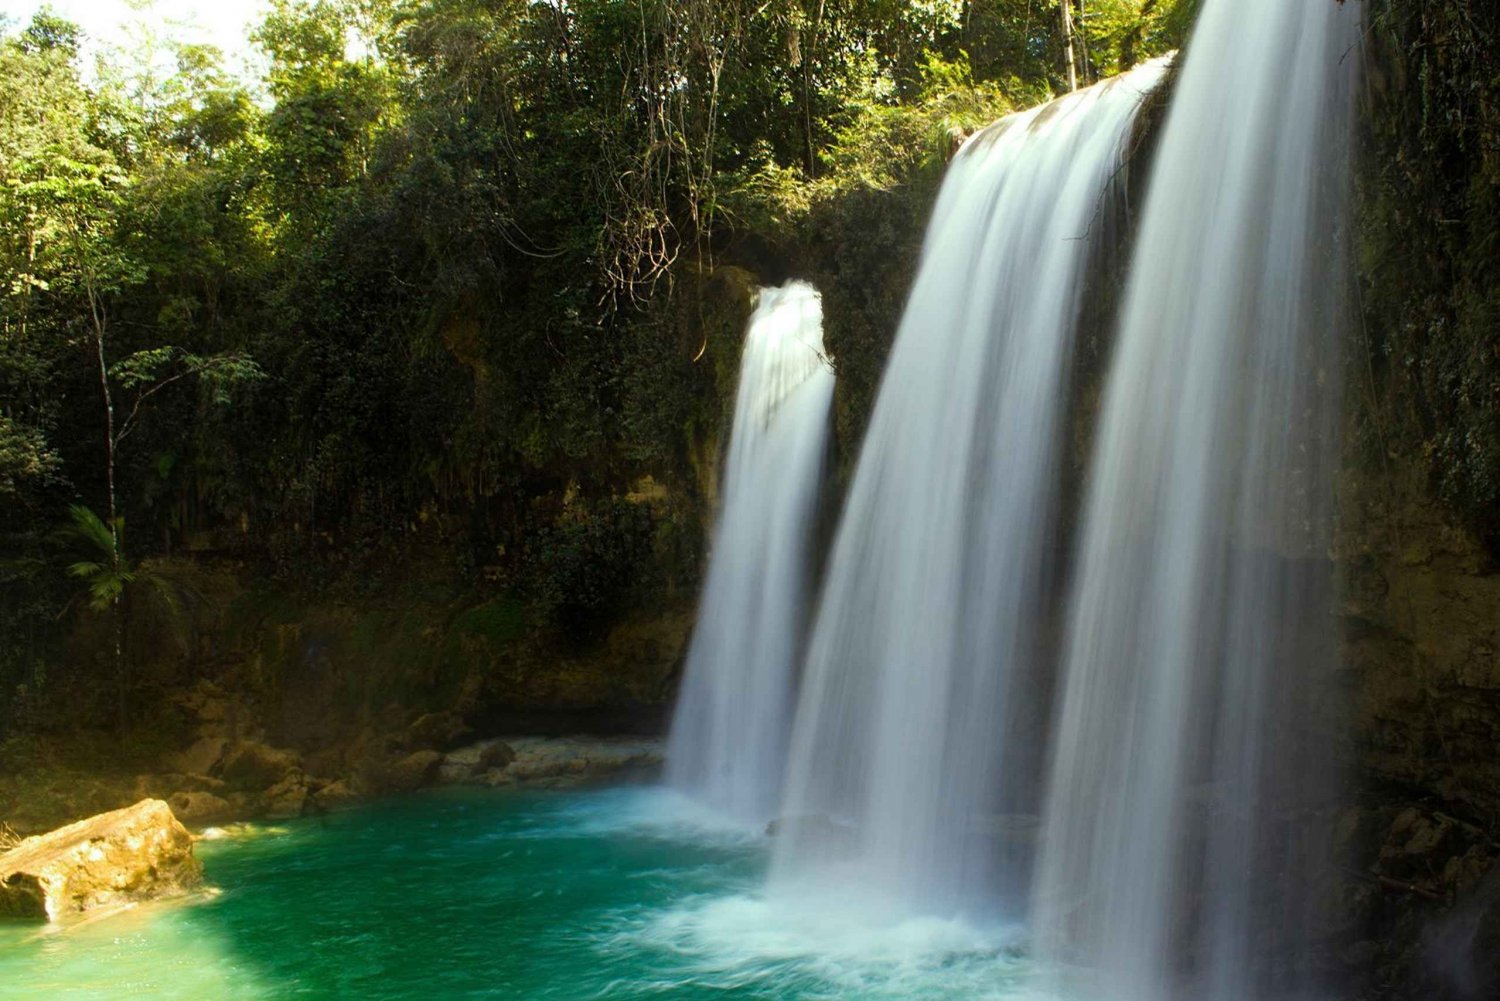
551 762
138 853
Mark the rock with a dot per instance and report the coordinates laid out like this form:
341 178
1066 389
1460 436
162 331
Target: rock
469 762
195 807
138 853
252 765
556 762
440 731
496 755
287 798
413 771
334 796
201 757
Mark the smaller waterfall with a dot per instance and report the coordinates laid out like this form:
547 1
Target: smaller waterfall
729 735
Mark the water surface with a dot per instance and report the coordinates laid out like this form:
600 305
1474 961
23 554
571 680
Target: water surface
615 894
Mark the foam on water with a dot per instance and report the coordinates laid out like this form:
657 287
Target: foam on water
835 950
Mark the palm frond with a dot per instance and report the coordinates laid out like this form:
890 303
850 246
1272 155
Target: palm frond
86 530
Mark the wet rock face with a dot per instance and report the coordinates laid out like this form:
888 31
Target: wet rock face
1421 606
138 853
1421 906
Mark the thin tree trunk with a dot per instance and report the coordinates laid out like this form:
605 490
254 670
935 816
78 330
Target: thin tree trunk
1066 7
1090 73
109 425
96 311
807 101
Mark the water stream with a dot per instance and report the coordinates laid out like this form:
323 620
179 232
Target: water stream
730 731
1182 847
922 715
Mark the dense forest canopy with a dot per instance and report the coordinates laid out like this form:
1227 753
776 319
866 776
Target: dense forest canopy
426 267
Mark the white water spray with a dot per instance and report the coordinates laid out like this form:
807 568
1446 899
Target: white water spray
729 735
1180 852
919 725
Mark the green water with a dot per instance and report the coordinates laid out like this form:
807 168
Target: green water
618 894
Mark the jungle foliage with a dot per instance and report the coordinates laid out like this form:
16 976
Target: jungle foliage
454 276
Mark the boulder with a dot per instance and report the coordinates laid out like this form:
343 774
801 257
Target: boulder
558 762
413 771
334 796
440 731
138 853
469 762
201 757
198 807
287 798
252 765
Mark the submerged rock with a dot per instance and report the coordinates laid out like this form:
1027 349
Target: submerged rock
138 853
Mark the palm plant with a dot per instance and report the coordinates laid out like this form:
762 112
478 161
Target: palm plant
116 586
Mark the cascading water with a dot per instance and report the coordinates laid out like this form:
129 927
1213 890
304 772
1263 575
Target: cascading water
916 735
730 732
1180 852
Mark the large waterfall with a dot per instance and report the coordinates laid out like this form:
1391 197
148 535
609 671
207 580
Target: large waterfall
920 721
729 735
1180 851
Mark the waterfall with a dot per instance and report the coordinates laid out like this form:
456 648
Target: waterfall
1181 854
729 735
917 737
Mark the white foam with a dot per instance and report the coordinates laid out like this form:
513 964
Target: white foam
830 948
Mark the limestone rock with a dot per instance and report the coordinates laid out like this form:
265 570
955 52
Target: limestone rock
137 853
440 731
413 771
468 762
252 765
197 807
201 757
558 762
334 796
287 798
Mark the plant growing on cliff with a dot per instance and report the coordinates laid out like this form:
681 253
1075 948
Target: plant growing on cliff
120 588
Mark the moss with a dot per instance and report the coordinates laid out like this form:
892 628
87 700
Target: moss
500 621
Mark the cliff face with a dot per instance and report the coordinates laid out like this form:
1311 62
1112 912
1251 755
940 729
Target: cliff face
1421 606
1420 499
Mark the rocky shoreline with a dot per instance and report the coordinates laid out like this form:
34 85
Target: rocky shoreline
229 771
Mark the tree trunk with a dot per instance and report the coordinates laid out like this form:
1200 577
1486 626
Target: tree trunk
100 324
110 442
1069 53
